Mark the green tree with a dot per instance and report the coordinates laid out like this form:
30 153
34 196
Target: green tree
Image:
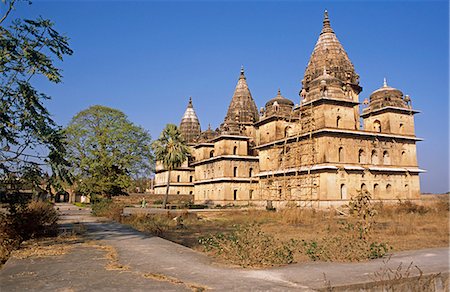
30 141
106 151
171 150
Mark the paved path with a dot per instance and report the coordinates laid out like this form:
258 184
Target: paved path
160 265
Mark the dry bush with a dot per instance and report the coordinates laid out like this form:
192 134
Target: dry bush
249 246
411 207
32 220
108 208
154 224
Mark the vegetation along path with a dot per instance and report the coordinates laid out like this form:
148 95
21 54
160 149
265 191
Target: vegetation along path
108 256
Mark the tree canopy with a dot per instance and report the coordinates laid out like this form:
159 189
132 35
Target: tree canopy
30 141
106 151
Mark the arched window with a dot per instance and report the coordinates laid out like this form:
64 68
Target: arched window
190 192
363 187
250 194
235 195
403 157
250 172
234 150
191 178
338 122
376 190
377 126
343 192
287 131
341 154
178 192
235 171
388 188
211 153
361 156
386 159
374 157
401 128
178 178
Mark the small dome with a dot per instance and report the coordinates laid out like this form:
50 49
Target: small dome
386 90
387 96
280 100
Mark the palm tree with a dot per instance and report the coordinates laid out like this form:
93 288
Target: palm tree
171 150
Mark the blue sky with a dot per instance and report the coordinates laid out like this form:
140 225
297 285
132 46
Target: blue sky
147 57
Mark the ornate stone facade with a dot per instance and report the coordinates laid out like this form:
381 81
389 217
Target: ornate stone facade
312 154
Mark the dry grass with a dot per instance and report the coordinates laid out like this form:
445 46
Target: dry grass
403 226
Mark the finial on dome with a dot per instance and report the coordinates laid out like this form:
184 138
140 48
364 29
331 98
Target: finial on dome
190 101
326 23
385 82
209 126
242 69
279 92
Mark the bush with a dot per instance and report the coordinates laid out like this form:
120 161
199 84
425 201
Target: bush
107 208
154 224
32 220
352 241
249 246
410 207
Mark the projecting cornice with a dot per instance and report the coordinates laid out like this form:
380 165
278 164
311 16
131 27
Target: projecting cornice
225 157
338 131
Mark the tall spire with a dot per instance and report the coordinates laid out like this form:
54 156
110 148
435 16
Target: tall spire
242 108
328 52
326 28
190 125
385 82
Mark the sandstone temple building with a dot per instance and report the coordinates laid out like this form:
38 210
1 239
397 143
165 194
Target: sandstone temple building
317 153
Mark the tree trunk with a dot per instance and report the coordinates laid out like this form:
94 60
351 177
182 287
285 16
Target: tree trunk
166 197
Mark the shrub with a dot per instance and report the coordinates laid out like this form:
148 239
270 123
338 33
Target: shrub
155 224
107 208
249 246
410 207
26 221
352 241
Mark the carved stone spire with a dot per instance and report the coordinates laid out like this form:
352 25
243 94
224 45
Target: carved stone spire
190 125
242 109
328 53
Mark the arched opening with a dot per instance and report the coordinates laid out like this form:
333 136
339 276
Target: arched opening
338 122
250 172
376 190
341 154
377 126
363 187
235 171
178 192
191 178
388 188
343 192
401 128
361 156
190 192
386 159
286 131
211 153
374 157
234 150
250 194
178 178
235 195
403 157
